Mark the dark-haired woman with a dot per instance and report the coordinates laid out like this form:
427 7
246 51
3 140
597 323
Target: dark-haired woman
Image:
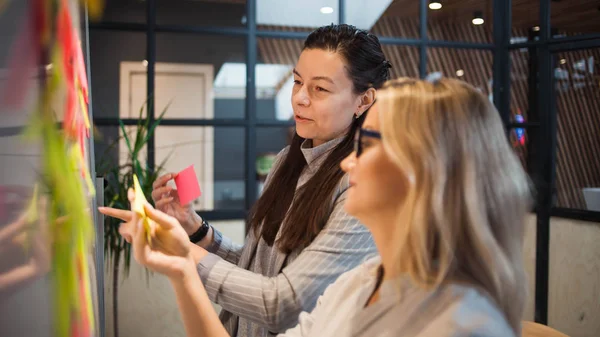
301 238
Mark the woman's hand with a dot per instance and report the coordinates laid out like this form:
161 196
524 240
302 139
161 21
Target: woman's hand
36 245
122 214
125 229
168 252
166 200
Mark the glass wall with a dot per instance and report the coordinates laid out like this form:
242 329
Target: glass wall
202 79
222 72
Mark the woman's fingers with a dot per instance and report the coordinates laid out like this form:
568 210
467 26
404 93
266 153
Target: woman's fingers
12 230
164 220
140 246
122 214
163 202
126 230
162 180
158 193
144 253
130 194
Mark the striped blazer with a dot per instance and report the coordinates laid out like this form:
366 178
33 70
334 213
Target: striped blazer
267 303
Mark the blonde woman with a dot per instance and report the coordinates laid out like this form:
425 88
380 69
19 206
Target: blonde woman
435 181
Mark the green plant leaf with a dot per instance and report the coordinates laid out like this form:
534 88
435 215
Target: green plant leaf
120 177
157 122
125 136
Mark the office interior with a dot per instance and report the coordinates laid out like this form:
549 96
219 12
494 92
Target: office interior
219 74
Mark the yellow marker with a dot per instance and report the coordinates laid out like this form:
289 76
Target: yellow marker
138 207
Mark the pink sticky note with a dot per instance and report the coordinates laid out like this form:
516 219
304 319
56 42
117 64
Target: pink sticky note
187 184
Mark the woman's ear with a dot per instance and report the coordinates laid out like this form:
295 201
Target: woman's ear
366 100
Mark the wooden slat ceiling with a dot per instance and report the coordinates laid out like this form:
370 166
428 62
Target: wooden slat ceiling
569 16
581 16
578 102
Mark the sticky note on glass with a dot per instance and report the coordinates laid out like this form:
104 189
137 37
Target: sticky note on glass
138 207
187 184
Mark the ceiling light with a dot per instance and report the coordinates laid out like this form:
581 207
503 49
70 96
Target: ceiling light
460 73
326 10
536 28
563 61
145 63
478 18
435 5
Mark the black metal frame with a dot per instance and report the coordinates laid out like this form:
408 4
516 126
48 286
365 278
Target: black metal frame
501 47
545 169
544 190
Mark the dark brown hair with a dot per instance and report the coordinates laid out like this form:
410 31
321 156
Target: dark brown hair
367 68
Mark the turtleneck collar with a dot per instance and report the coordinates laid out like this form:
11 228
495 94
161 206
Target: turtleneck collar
315 155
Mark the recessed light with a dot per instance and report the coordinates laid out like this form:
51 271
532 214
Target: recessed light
435 5
145 63
536 28
326 10
460 73
478 18
563 61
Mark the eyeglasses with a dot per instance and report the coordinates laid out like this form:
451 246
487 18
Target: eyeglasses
360 133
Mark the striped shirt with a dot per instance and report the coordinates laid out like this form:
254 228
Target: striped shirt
263 291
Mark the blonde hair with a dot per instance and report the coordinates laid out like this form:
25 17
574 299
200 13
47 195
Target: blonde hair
467 195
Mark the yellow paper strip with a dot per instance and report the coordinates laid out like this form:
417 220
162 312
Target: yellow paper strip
84 111
138 207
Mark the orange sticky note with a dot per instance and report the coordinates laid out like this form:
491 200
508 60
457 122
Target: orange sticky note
188 187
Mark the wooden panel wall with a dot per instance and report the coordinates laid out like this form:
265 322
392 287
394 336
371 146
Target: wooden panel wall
578 95
578 121
393 26
574 277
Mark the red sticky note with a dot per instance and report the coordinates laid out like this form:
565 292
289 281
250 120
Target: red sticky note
188 187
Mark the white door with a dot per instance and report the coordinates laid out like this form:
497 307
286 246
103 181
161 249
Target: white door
186 91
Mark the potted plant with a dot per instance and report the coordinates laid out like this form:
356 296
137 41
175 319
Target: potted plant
118 179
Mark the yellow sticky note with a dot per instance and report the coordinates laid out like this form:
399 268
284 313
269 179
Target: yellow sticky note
138 207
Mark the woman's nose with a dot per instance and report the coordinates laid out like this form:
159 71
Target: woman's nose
349 162
301 97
